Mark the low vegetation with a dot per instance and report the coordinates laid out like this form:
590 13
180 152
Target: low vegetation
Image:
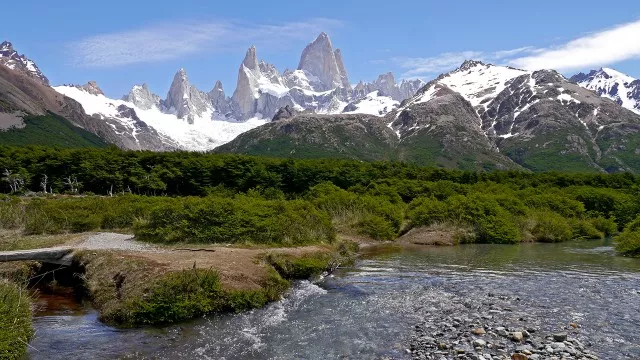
628 242
15 321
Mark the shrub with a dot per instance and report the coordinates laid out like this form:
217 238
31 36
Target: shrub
628 242
239 220
607 226
364 212
584 229
557 202
301 267
376 228
549 226
498 229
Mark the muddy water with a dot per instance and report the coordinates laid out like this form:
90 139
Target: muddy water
370 310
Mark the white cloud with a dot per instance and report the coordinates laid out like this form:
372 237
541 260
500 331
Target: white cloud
430 65
174 40
597 49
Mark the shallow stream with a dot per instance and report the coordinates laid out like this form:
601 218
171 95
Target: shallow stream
370 310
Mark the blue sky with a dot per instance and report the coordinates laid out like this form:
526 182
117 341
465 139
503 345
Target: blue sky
122 43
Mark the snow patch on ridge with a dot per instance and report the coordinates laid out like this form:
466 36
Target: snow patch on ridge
374 104
480 83
204 134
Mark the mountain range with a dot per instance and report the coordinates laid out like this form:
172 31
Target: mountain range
478 116
191 119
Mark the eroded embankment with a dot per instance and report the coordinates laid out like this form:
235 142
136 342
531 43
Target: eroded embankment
132 283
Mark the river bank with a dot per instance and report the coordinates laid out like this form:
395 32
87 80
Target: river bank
371 309
133 284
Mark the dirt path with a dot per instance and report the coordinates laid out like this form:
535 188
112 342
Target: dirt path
114 241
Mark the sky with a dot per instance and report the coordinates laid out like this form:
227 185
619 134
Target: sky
122 43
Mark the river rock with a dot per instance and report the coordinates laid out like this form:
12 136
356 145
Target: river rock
478 331
517 336
479 343
559 337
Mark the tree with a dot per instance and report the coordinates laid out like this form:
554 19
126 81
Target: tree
16 181
44 182
73 184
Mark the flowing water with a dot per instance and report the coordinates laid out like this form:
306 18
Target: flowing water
369 311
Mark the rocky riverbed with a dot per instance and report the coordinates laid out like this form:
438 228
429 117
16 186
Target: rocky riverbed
491 327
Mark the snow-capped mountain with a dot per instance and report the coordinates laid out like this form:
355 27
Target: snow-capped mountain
14 61
614 85
196 120
479 116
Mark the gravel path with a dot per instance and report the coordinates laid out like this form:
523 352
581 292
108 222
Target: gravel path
113 241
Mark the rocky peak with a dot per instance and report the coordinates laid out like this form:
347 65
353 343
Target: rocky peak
250 59
319 59
6 46
92 88
285 112
612 84
343 71
142 97
244 97
217 87
469 64
10 58
218 99
184 99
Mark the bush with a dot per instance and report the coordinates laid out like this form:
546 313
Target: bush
366 213
549 226
607 226
628 242
239 220
376 228
584 229
15 321
497 229
301 267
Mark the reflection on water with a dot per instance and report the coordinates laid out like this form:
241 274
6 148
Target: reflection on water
367 311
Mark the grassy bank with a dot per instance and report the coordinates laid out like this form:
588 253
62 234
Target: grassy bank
15 321
133 289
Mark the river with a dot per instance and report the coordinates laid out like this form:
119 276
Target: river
370 310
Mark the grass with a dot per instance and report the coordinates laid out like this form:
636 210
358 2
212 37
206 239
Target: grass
15 321
15 240
129 290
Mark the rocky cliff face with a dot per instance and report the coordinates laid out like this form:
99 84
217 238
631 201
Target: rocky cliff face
26 95
92 88
14 61
319 59
185 100
612 84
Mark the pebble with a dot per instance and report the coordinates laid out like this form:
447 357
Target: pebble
471 335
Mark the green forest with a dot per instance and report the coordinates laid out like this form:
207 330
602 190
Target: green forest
219 198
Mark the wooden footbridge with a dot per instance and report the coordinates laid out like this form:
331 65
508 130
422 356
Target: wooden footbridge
57 255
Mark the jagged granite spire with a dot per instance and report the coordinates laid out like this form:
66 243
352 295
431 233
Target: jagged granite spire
184 99
343 71
218 99
319 59
246 91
